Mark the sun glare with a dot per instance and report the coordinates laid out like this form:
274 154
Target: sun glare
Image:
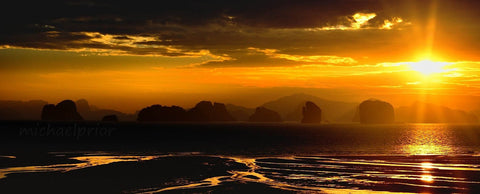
428 67
426 165
426 178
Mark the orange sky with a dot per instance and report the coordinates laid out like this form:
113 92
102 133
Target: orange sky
369 51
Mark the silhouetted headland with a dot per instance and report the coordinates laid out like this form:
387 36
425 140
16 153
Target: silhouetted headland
240 113
220 113
291 108
311 113
263 114
63 111
162 113
93 113
376 111
204 111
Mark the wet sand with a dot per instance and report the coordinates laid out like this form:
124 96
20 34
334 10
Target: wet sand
242 158
196 172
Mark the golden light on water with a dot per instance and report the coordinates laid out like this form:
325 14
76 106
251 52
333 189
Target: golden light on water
427 139
426 178
85 162
426 165
428 149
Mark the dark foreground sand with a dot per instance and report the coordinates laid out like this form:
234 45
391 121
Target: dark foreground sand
239 158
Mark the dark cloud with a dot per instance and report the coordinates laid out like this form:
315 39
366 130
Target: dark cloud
220 26
132 17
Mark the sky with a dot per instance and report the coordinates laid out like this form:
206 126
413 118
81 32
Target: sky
127 55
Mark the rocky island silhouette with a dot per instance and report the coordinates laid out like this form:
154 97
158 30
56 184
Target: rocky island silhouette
311 113
299 108
63 111
376 111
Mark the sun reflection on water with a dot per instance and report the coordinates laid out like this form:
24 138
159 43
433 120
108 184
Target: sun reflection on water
427 139
427 178
85 162
426 175
426 165
427 149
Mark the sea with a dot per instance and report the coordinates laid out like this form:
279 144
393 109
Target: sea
42 157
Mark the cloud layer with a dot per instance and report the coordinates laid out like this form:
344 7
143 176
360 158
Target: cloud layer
299 32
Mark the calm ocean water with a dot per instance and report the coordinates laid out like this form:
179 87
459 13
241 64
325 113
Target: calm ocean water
276 158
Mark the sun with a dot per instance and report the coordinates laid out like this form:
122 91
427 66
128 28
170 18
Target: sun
428 67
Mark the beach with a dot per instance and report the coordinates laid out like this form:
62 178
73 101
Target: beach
241 157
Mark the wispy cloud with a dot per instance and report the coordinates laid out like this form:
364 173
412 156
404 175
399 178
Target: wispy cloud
95 43
274 53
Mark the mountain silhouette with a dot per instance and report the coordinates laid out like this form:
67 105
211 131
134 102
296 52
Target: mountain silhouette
204 111
162 113
290 108
376 111
263 114
63 111
92 113
83 107
240 113
220 113
201 112
311 113
429 113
